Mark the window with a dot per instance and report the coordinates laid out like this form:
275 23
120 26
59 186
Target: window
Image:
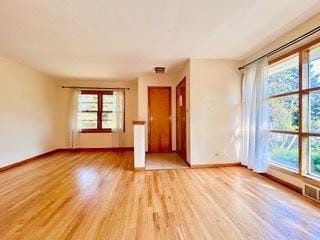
314 156
314 67
312 94
283 106
101 111
293 88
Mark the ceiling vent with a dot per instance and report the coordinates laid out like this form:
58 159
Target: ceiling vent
159 70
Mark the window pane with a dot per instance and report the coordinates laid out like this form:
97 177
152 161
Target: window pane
108 124
314 67
88 107
88 98
88 102
108 120
108 103
283 150
87 120
314 167
107 116
284 113
283 77
87 116
314 112
87 124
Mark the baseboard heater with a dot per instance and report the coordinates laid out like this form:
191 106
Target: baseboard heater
311 191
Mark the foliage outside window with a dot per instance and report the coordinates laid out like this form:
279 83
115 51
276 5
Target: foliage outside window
294 89
283 106
313 77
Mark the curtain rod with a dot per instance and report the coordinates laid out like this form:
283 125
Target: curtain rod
100 88
284 46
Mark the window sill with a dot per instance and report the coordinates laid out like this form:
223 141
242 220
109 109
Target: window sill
96 131
100 131
284 170
311 180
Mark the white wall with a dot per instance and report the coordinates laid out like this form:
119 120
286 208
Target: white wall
164 80
98 140
139 146
215 87
34 114
27 113
308 25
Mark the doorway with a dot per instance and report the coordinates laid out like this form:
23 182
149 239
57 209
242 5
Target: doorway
159 119
181 134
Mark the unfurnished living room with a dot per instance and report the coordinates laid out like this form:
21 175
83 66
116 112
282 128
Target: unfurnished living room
159 119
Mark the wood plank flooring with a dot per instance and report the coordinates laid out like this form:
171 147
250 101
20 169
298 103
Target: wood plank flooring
96 195
164 161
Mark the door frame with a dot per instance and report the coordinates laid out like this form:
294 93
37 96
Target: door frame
184 79
170 114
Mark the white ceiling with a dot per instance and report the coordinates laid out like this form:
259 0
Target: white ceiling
117 39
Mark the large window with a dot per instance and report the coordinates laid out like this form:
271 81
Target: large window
312 94
283 86
294 111
101 111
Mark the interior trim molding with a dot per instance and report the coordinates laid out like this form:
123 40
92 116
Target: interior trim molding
16 164
109 149
285 171
138 122
139 169
282 182
312 181
214 165
37 157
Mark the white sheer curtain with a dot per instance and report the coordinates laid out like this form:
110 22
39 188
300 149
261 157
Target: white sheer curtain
118 110
254 147
73 118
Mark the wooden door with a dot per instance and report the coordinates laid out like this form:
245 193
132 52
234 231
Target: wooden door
181 119
159 120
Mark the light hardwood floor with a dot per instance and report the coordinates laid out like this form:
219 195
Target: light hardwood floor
96 195
160 161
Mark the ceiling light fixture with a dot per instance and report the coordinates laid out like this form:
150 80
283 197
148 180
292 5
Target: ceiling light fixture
159 70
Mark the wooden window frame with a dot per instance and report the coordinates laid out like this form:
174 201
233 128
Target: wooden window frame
100 111
304 90
287 132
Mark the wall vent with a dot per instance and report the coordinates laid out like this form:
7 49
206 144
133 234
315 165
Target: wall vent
311 192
